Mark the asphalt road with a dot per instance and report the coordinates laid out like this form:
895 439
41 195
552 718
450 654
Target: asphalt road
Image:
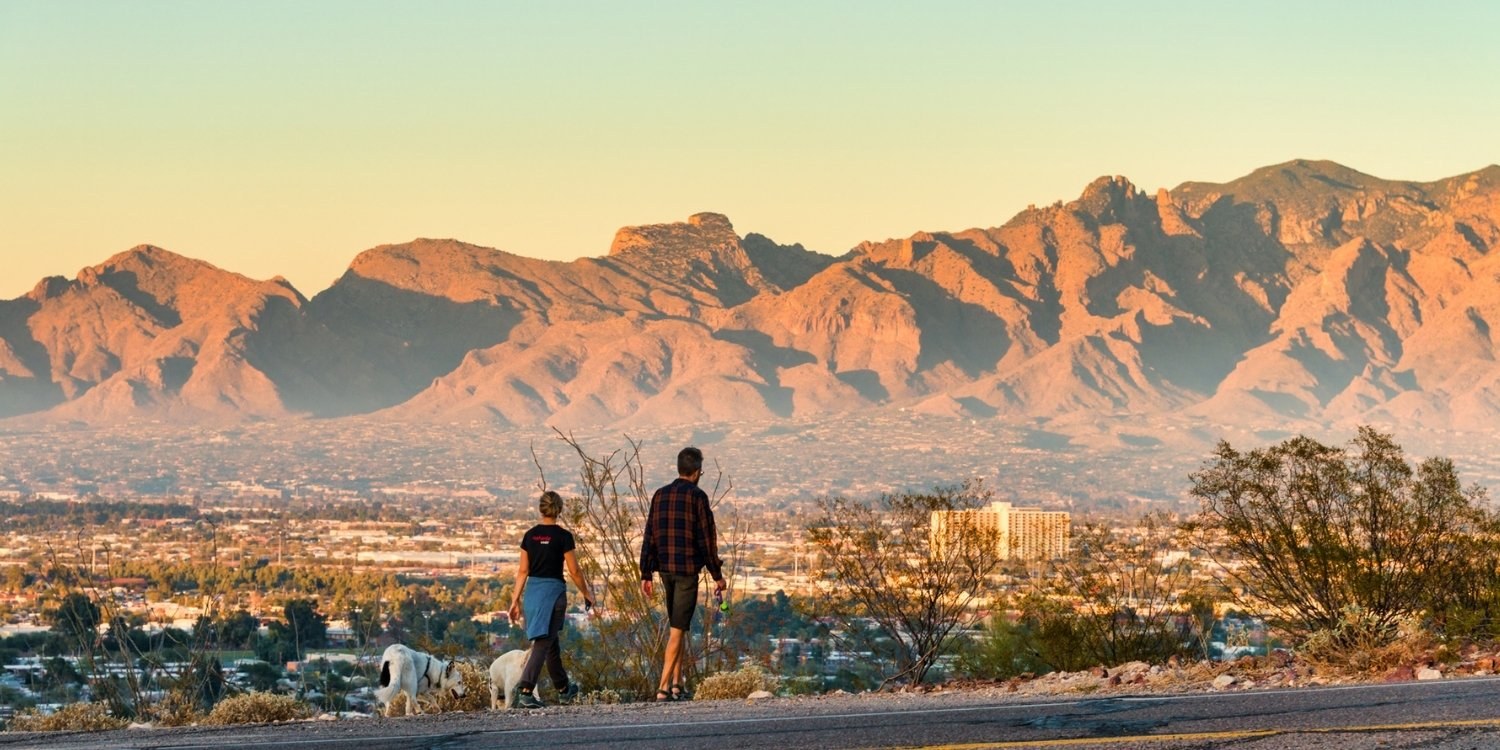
1441 714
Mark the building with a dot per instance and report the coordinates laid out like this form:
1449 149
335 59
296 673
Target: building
1021 533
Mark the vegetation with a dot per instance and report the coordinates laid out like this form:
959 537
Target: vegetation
738 684
257 708
74 717
1324 531
881 563
1114 598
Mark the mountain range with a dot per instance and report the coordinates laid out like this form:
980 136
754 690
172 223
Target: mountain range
1302 291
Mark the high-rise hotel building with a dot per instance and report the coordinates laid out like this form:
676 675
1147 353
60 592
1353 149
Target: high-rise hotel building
1023 533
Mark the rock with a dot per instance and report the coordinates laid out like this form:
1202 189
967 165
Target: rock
1485 664
1113 681
1224 681
1399 674
1099 672
1428 673
760 695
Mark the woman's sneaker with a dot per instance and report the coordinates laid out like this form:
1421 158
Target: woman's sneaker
567 694
529 700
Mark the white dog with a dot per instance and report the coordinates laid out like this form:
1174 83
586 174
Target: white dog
505 672
403 670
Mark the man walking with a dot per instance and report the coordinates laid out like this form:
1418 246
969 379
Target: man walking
680 540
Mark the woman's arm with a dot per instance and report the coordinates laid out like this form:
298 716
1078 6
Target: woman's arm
577 575
522 568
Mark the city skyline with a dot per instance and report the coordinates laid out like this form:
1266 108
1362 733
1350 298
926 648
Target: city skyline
282 139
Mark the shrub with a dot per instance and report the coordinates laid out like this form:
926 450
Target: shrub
738 684
178 709
1321 529
1004 651
257 708
1360 643
807 684
601 697
476 692
74 717
912 564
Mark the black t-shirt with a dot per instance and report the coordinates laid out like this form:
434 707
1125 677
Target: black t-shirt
545 545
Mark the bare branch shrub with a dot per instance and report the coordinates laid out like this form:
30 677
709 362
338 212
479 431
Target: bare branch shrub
1113 598
880 563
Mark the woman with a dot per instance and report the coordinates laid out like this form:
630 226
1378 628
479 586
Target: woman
545 550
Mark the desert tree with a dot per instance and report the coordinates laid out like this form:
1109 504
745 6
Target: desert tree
881 563
1114 597
1321 533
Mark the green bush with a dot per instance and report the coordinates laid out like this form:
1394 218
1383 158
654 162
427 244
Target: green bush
1001 653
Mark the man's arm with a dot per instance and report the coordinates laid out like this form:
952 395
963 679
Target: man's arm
708 540
649 562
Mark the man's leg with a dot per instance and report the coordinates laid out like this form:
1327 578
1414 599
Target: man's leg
671 669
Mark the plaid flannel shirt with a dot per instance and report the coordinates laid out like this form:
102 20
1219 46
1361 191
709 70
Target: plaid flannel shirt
680 537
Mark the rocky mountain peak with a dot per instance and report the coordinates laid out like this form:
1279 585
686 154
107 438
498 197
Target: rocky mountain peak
701 233
1108 198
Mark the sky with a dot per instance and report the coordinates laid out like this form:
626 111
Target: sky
283 138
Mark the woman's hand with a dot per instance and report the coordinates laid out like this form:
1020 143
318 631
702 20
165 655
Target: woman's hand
515 613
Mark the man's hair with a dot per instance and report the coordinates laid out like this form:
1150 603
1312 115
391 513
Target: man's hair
551 504
689 460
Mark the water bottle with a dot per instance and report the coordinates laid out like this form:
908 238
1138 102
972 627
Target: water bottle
722 605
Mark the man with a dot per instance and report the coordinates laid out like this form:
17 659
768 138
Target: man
680 540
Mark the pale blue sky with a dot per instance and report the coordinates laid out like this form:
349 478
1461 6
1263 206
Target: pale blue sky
285 137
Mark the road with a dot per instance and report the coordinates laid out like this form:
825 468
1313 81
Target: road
1440 714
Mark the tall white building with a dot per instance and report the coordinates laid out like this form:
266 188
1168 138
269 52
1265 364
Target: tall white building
1022 533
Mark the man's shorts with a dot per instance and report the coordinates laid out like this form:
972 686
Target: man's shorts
682 599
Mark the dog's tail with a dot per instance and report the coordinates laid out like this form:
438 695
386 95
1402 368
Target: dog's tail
387 690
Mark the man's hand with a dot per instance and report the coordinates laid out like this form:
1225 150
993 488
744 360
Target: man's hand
720 585
646 588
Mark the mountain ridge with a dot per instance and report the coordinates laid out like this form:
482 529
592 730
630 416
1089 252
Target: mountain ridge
1305 290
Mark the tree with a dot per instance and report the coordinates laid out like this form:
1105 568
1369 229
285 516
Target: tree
1324 532
881 562
77 618
304 628
237 629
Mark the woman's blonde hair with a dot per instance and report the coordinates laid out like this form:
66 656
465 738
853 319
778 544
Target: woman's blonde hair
551 504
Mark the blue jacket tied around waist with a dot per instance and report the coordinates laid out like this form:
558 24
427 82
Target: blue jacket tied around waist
540 597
